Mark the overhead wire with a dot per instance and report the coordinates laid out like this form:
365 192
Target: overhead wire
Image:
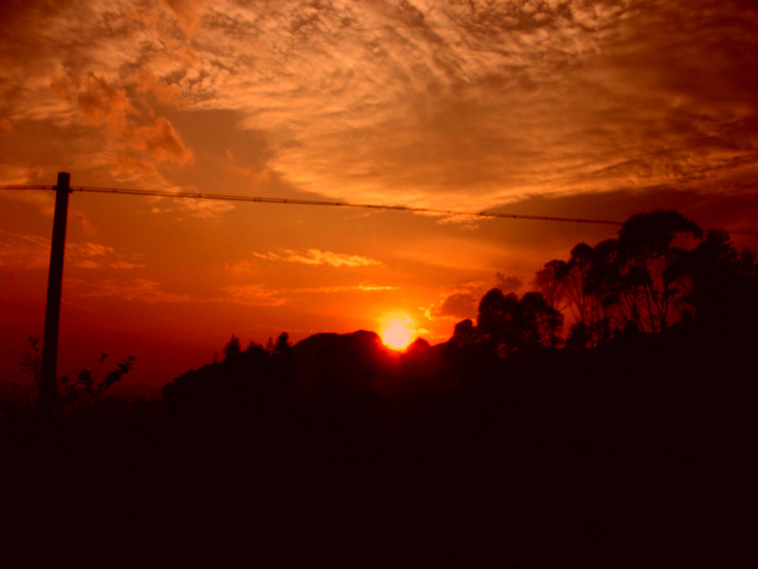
292 201
26 187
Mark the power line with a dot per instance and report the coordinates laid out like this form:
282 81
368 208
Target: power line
26 187
287 201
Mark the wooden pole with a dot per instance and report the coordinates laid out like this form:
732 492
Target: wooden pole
48 391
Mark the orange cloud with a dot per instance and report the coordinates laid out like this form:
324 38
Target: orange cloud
240 267
464 302
102 103
345 288
318 257
253 295
160 139
163 91
24 251
33 252
142 130
81 218
6 127
187 13
458 105
144 290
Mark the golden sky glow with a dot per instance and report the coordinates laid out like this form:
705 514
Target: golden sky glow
596 109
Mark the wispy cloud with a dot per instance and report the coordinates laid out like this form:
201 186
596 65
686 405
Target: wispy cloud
150 291
318 257
129 127
253 295
346 288
125 265
259 295
33 252
241 267
143 290
23 251
98 256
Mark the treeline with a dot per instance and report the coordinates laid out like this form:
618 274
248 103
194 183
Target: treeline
660 271
655 360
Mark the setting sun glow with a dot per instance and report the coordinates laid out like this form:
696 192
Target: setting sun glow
396 334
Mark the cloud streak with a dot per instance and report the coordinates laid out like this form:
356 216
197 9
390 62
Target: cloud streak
259 295
33 252
318 257
143 290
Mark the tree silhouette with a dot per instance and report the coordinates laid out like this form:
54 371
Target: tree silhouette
282 347
507 324
232 348
636 278
651 245
541 322
721 285
591 319
552 282
465 334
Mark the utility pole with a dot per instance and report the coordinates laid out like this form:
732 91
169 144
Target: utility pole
48 390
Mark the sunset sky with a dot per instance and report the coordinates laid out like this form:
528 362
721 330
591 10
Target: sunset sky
593 109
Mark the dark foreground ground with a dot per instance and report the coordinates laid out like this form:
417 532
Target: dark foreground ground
643 435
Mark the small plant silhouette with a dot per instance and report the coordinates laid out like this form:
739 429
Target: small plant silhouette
73 393
86 388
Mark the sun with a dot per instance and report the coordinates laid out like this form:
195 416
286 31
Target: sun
396 333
